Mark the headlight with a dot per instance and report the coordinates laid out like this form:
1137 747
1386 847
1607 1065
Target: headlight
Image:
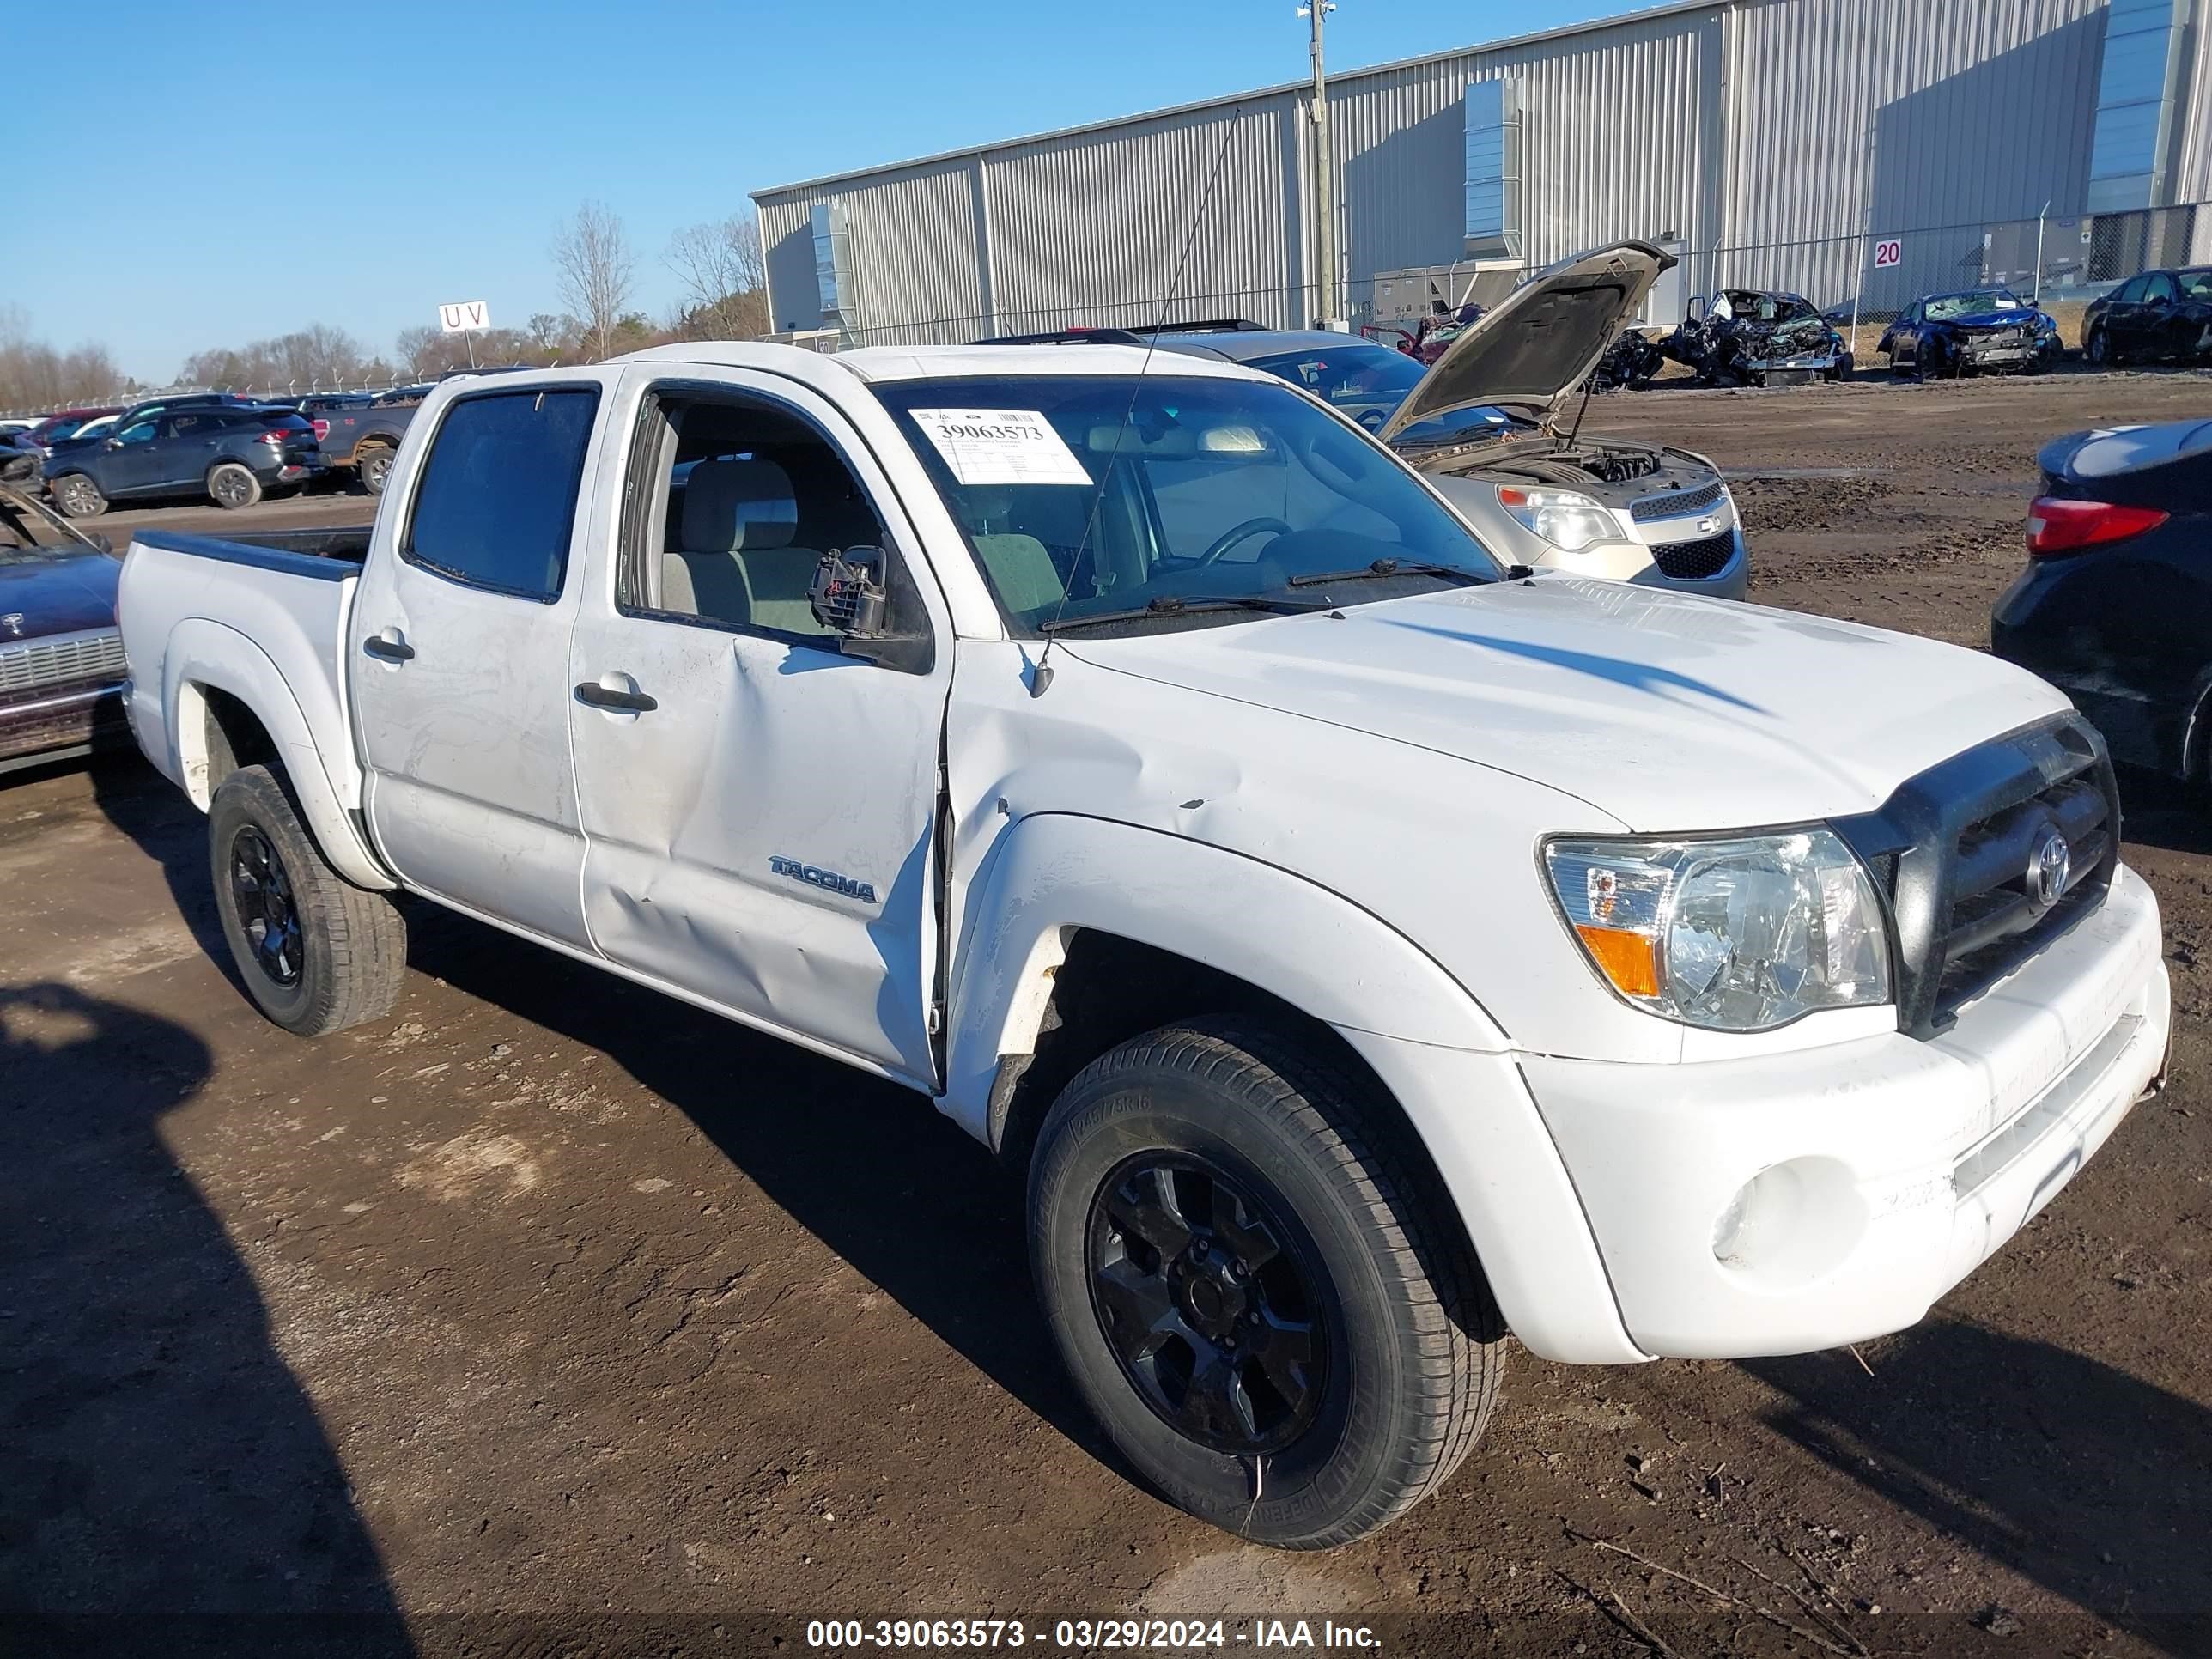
1569 520
1740 934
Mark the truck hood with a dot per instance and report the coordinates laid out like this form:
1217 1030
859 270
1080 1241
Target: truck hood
1663 711
66 594
1536 348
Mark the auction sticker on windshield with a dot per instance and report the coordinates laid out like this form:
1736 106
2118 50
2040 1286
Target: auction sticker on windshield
1000 446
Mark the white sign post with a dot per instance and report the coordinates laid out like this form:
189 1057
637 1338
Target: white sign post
471 317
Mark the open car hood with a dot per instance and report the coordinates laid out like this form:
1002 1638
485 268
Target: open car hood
1535 348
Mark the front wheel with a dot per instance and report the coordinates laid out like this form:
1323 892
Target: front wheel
2098 349
317 953
1259 1284
78 497
233 486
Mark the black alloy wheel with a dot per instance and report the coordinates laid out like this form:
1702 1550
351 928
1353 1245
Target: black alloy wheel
1203 1297
261 894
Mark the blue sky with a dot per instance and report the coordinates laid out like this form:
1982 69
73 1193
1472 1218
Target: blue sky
232 173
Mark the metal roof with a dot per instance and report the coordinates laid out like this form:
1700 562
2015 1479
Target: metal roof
1542 37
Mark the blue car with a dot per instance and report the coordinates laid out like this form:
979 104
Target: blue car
1974 331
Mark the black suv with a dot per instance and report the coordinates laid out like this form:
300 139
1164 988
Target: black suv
230 453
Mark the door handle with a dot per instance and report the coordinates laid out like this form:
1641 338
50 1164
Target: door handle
388 650
594 695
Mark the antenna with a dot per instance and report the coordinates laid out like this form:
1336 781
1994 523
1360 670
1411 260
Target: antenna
1040 675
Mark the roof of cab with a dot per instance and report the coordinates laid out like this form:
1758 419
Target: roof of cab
878 364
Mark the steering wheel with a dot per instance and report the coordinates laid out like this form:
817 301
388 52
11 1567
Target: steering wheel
1235 533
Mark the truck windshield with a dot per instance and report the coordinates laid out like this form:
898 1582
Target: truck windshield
1081 500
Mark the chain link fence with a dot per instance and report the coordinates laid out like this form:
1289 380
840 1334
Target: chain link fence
1866 277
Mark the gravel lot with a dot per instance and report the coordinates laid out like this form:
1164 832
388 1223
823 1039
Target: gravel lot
549 1314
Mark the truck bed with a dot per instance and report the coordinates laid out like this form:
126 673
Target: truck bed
260 617
323 555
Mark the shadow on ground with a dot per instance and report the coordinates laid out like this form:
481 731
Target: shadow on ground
869 1168
2093 1484
162 1473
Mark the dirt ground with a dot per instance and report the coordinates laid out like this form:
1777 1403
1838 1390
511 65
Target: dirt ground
551 1315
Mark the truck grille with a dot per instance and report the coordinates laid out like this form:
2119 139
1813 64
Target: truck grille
67 659
1956 849
1675 503
1687 561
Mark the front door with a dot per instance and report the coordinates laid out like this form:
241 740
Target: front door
759 808
460 644
131 461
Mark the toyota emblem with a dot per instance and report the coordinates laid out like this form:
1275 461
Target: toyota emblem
2047 871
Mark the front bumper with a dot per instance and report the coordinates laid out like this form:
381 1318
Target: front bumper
1887 1168
55 723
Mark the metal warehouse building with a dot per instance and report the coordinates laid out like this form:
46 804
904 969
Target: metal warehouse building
1848 150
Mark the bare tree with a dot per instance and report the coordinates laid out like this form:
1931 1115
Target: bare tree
35 376
725 277
592 256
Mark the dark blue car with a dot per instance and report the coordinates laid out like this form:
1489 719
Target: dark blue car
1975 330
2115 607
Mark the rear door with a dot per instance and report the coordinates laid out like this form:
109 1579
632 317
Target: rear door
186 447
459 653
760 806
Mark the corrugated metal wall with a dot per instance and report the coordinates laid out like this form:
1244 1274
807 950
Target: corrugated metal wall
2194 183
1092 227
913 235
1767 135
1980 110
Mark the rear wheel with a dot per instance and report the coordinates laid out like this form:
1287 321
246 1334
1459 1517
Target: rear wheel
1259 1284
233 486
374 462
77 496
317 953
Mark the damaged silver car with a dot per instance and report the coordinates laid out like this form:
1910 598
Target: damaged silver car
1496 425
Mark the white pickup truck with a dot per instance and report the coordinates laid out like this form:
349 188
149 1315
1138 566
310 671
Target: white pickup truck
1364 949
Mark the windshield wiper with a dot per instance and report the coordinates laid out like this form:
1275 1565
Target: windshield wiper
1170 604
1395 568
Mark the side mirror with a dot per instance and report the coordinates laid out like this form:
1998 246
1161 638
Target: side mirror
847 595
865 598
114 443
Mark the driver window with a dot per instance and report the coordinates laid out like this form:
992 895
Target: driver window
142 433
744 500
2161 290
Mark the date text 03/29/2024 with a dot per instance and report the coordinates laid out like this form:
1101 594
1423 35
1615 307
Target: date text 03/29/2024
1088 1635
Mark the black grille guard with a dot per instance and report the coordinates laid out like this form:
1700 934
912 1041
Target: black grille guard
1950 851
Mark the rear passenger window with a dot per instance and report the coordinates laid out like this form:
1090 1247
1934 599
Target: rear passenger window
498 496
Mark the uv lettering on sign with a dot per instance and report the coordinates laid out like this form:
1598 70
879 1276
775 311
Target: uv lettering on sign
465 317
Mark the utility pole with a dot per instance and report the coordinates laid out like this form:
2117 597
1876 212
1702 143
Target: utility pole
1324 195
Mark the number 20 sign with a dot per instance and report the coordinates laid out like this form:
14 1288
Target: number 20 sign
1889 252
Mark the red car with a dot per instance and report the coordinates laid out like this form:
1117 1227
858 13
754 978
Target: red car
64 424
1426 342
